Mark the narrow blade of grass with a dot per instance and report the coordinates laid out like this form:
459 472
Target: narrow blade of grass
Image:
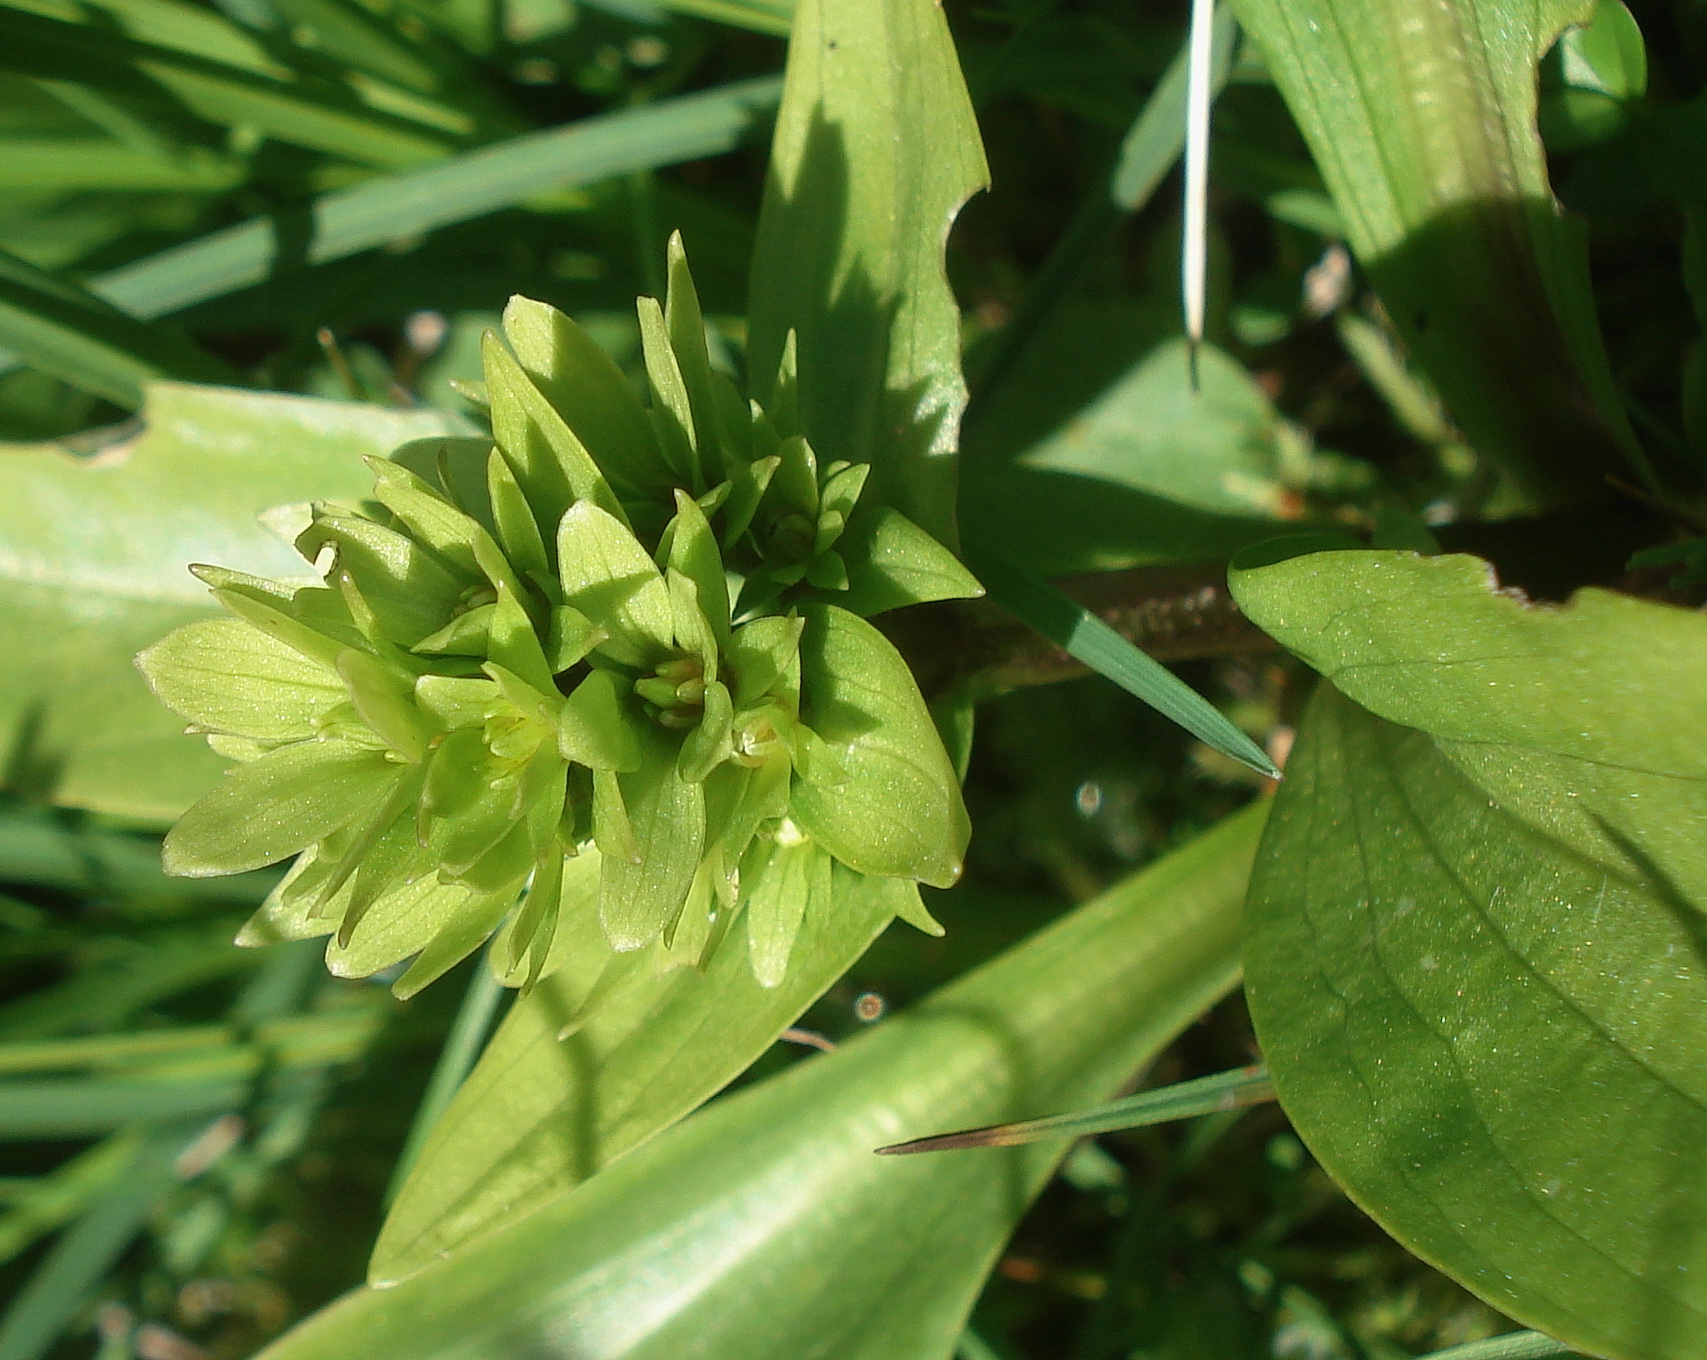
1511 1346
1152 145
85 1252
1157 138
65 331
456 190
82 1109
1089 640
463 1046
66 1192
762 16
1208 1095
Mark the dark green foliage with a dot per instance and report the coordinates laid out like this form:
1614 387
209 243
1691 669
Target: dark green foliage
601 681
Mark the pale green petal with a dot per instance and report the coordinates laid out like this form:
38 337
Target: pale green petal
667 816
894 807
611 579
584 384
281 804
777 881
595 727
229 676
893 562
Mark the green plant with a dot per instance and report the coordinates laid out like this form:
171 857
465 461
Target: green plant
639 660
517 676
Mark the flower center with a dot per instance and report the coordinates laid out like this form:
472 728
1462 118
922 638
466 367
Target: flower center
675 692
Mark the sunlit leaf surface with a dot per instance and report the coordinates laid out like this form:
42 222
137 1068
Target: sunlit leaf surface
93 554
766 1226
1475 962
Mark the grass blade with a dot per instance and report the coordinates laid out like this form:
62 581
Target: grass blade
1511 1346
455 190
82 1109
62 330
62 164
1186 1100
463 1044
66 1192
1089 640
44 850
762 16
1157 138
1152 145
162 82
467 186
87 1250
1200 47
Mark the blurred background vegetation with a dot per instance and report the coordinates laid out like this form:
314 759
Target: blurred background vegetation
336 196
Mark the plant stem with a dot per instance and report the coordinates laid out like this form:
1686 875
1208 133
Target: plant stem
462 1046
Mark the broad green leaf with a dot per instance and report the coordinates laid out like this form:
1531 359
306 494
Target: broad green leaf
1606 54
92 557
1590 80
1585 722
540 1113
1447 205
1088 639
1094 451
69 333
1511 1346
876 148
765 1226
891 803
1491 1040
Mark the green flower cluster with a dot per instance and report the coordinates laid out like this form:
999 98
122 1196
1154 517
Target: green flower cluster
610 663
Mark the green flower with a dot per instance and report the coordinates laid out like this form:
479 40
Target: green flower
610 663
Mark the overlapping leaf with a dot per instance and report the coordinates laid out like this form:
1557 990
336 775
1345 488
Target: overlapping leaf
545 1108
93 551
1421 117
1475 960
765 1226
1585 721
876 149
